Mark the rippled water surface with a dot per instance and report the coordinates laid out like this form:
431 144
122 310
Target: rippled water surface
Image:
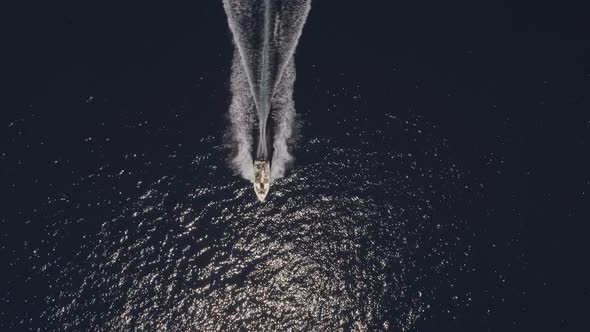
358 236
440 181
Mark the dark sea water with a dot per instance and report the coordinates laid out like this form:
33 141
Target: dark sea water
440 182
365 233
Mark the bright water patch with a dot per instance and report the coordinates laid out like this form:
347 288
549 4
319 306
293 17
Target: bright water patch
353 238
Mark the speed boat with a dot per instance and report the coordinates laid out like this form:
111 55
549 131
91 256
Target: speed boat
261 178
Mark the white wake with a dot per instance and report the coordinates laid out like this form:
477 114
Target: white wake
262 82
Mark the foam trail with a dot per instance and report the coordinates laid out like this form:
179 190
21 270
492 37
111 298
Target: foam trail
262 152
265 34
285 122
241 122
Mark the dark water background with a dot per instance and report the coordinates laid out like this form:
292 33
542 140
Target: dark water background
440 182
